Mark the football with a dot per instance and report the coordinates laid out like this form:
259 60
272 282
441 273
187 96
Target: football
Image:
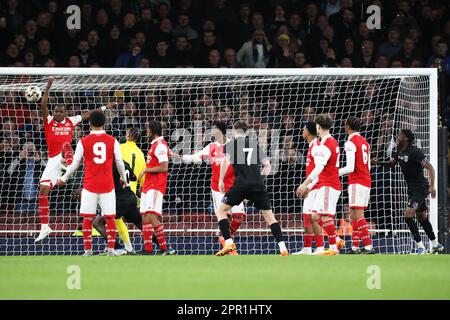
33 94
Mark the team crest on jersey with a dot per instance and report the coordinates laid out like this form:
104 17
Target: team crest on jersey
404 158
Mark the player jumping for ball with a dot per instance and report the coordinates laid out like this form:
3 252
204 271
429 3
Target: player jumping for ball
357 150
326 159
214 152
58 129
246 157
412 161
99 150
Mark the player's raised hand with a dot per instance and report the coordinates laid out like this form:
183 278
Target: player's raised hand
432 191
60 183
50 81
111 105
221 186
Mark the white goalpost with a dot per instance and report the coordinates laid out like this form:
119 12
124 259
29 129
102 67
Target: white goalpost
276 103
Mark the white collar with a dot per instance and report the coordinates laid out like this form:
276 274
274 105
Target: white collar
312 142
155 140
353 134
98 132
325 138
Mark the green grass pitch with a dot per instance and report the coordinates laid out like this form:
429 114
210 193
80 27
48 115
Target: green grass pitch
231 277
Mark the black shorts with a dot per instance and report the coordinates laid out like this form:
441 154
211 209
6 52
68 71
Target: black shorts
126 207
254 192
418 198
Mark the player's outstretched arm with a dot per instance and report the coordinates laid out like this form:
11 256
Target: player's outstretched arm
429 167
86 115
388 164
350 151
191 158
267 167
74 166
44 101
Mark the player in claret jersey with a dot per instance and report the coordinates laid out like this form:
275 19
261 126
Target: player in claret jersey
154 189
99 151
214 152
328 185
58 134
357 150
412 161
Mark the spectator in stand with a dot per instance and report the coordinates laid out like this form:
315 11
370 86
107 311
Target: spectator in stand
214 60
392 46
132 58
255 53
86 58
127 118
382 61
209 43
162 58
165 30
30 33
182 52
243 29
230 60
281 55
367 59
440 57
74 62
146 23
12 55
184 27
26 170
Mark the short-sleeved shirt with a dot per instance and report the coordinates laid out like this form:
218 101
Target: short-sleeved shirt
360 147
159 153
246 157
327 155
411 162
58 133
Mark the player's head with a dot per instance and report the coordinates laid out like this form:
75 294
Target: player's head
352 124
154 129
219 131
405 138
97 119
309 131
324 122
133 134
240 128
59 113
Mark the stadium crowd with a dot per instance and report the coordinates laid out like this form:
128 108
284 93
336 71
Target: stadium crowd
189 33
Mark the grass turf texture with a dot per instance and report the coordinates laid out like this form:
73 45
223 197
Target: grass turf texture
231 277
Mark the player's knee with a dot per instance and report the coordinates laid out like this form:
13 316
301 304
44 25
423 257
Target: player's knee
44 189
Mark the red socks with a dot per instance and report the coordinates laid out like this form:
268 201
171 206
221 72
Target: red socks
236 223
43 208
68 153
159 231
364 231
308 238
355 234
87 233
147 232
319 240
330 229
111 231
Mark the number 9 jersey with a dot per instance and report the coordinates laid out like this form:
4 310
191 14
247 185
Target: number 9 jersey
98 150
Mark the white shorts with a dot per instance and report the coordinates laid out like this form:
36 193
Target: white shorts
90 200
358 196
326 201
151 202
309 201
217 200
52 171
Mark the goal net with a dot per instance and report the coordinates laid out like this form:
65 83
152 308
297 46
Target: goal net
275 103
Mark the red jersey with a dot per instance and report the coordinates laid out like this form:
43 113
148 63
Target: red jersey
214 152
159 152
310 165
361 149
327 154
98 150
58 133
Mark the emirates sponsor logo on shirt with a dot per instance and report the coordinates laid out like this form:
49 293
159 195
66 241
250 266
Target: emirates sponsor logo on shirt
62 131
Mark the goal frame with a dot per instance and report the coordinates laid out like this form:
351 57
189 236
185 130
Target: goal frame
431 73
